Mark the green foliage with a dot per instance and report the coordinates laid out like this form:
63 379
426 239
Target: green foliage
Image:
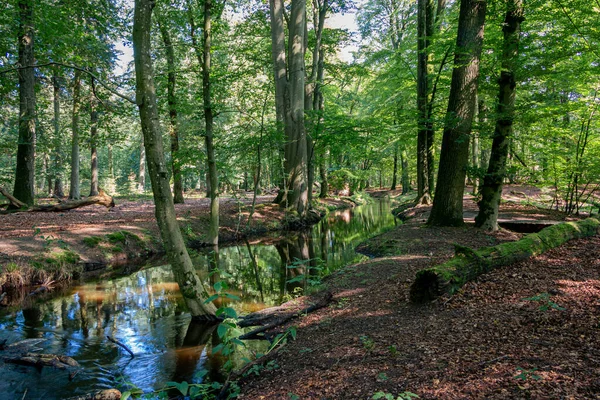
388 396
526 374
92 241
545 304
367 342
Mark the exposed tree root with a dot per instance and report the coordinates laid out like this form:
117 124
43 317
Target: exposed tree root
102 199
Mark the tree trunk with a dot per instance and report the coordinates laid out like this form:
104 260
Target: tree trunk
58 155
94 185
491 190
191 286
395 172
289 100
25 170
173 127
405 177
213 178
323 173
74 192
142 167
447 207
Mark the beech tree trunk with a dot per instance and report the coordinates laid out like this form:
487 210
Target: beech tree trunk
94 185
25 170
213 178
491 190
289 100
191 286
173 126
74 192
395 172
447 207
142 167
405 177
58 155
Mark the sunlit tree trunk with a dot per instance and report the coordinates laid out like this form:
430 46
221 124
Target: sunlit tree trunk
491 190
142 167
395 171
447 207
74 192
190 285
25 170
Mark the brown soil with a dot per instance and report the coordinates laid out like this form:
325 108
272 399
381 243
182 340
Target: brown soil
486 342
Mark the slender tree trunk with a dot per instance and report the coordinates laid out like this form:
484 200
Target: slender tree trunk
25 170
58 155
142 167
323 173
94 186
191 286
491 190
447 207
213 178
395 172
405 177
173 127
74 193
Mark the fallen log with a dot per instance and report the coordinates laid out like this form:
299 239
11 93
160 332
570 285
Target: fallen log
101 199
468 264
42 360
108 394
256 334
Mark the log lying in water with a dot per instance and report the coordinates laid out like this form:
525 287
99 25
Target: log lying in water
102 199
42 360
468 264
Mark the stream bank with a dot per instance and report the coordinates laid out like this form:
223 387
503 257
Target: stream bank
93 243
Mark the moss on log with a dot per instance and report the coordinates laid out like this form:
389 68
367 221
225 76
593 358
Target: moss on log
468 264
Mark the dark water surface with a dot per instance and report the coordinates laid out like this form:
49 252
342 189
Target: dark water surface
145 311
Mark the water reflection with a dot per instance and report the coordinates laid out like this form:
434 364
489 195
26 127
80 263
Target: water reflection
146 312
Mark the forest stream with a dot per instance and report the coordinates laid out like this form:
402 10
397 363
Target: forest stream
145 311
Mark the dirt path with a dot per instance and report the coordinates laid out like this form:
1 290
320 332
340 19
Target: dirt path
486 342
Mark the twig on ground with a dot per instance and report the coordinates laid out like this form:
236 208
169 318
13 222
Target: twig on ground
115 341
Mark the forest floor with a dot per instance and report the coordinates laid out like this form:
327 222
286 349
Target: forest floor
526 331
36 246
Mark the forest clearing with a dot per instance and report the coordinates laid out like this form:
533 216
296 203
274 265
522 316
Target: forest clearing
362 199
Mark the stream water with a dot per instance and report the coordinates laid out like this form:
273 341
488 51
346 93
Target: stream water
145 311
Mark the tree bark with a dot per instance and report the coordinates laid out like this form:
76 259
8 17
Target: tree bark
173 126
447 207
74 192
213 230
405 177
25 170
424 20
142 167
190 284
94 185
289 100
395 171
491 190
58 155
101 199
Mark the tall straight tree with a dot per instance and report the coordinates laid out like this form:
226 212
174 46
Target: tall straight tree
94 185
172 103
58 156
190 285
491 191
24 174
428 24
203 55
447 207
74 191
289 99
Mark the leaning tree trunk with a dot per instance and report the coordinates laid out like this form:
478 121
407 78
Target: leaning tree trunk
172 103
74 192
191 286
491 190
24 174
94 185
447 207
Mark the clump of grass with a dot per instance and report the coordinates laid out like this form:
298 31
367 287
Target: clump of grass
123 237
11 275
92 241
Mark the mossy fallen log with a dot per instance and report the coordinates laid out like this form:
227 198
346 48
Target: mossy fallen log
468 264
